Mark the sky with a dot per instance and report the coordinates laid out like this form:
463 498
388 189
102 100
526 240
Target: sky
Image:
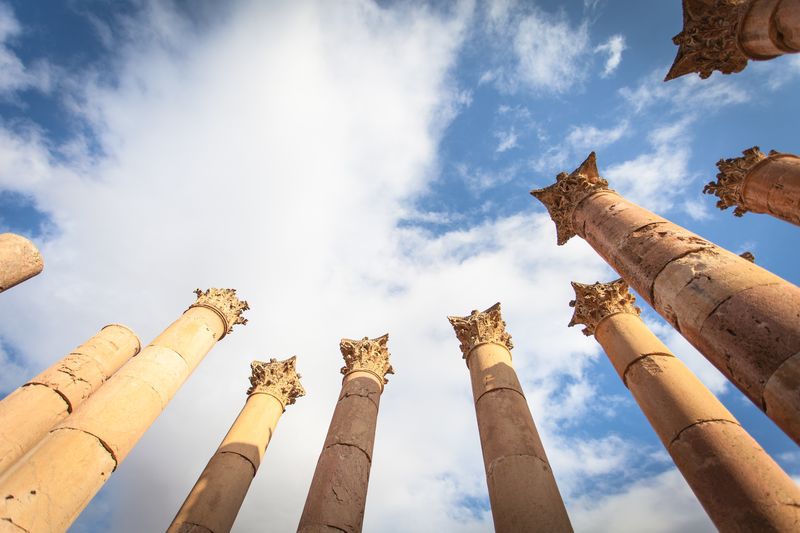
355 168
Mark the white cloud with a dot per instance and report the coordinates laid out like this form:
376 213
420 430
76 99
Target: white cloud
688 93
697 208
506 140
614 48
14 75
588 137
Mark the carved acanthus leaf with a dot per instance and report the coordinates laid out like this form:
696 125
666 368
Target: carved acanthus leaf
276 378
567 192
367 355
480 327
709 40
595 302
748 256
225 303
730 179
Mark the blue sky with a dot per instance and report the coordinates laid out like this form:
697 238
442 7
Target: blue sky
360 168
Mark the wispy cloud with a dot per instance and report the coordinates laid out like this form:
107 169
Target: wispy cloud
613 48
506 140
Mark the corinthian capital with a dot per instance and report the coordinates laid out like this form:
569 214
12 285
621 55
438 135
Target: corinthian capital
276 378
225 303
567 192
709 40
480 327
730 179
367 355
597 301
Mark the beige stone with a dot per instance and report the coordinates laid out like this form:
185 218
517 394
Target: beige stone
74 460
742 318
338 494
215 500
522 489
724 34
20 260
28 413
759 183
738 484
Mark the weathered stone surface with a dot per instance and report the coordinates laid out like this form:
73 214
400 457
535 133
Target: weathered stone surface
28 413
774 188
743 488
225 303
786 20
20 260
490 369
598 301
277 378
114 418
480 327
623 338
756 33
337 497
781 395
731 179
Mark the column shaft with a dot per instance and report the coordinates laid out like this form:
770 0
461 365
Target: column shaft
770 28
522 489
19 260
28 413
736 481
742 318
338 493
58 478
215 500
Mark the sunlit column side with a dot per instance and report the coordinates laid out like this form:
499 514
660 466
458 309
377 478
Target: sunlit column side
28 413
215 500
736 481
522 490
338 493
724 34
19 260
741 317
51 485
759 183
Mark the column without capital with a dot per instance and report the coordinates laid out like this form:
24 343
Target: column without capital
28 413
215 500
759 183
736 481
522 490
724 34
742 318
338 493
51 485
20 260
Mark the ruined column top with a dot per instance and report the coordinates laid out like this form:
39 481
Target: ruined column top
729 186
709 40
225 303
479 328
276 378
597 301
367 355
566 193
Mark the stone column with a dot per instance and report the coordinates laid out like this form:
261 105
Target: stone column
522 490
724 34
738 484
742 318
28 413
19 260
49 488
216 498
759 183
338 493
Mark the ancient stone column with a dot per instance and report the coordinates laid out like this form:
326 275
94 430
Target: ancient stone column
742 318
338 493
737 483
724 34
19 260
522 490
759 183
49 488
216 498
28 413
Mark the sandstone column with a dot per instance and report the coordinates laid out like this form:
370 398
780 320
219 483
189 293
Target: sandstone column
28 413
738 484
723 34
19 260
215 499
742 318
49 488
338 493
759 183
522 490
